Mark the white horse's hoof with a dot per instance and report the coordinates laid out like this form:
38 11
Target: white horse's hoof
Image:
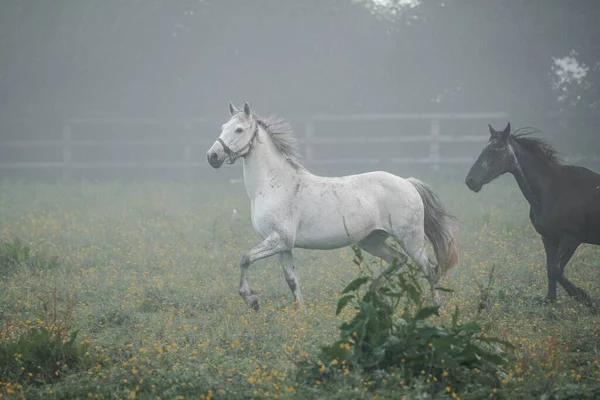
253 302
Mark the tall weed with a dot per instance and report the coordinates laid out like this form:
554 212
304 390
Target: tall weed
391 335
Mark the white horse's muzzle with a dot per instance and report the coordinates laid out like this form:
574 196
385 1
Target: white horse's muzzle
216 155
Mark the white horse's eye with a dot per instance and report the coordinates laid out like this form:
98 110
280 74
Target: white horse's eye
239 130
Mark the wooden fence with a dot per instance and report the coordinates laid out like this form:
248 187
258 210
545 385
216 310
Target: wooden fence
433 137
193 144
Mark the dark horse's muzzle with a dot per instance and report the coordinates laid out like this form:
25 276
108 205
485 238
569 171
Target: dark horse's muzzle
471 184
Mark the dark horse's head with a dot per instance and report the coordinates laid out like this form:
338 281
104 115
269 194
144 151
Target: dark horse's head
496 158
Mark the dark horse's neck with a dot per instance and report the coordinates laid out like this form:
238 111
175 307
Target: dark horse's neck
532 174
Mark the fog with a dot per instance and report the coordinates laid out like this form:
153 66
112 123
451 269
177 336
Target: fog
135 262
129 89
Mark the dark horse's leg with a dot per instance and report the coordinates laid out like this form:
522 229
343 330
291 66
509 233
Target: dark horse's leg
551 248
566 249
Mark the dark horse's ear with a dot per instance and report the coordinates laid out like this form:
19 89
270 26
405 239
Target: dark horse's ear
500 134
505 133
232 109
246 109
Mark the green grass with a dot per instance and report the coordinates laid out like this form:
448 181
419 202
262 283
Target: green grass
147 274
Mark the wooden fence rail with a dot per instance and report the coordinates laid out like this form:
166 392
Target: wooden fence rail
434 137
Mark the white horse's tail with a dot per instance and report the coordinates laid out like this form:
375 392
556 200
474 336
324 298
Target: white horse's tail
441 228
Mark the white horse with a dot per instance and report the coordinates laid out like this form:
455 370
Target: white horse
292 207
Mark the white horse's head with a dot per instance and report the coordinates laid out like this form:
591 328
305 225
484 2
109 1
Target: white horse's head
236 139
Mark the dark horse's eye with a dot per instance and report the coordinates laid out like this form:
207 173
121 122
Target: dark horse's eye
239 130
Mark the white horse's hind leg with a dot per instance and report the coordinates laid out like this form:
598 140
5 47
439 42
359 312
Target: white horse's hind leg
289 270
414 245
375 244
272 245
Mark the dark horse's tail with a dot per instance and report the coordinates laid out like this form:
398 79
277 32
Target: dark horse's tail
441 228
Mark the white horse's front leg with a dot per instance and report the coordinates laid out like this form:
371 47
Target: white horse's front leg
272 245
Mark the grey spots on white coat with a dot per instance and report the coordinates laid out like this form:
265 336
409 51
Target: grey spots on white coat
296 189
335 193
347 230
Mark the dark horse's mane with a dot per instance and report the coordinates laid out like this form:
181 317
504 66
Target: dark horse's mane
539 148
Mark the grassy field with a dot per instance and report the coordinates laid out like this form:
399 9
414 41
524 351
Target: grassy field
147 273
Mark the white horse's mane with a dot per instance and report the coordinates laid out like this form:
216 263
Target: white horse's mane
283 137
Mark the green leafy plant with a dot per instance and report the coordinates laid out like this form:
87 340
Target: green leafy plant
46 351
390 333
14 255
41 355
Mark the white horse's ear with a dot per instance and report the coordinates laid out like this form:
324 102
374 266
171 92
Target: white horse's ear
246 109
232 109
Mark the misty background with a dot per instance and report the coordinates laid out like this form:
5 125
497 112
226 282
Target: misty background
138 87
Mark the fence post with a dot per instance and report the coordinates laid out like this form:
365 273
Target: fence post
434 146
310 134
66 152
187 161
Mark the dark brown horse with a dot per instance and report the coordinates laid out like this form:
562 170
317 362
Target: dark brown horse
564 199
